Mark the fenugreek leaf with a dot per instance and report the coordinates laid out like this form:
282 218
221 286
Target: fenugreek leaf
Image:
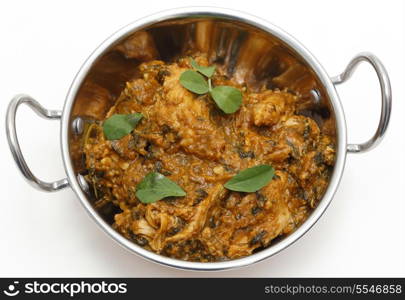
194 82
228 98
251 180
207 71
155 186
119 125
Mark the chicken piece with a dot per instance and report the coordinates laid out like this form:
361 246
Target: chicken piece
189 117
194 227
295 137
270 107
143 91
273 220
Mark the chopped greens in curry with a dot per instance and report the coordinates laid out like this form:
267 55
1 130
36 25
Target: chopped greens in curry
200 168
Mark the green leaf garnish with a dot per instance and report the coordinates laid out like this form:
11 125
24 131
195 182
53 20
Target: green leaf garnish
155 186
251 179
117 126
207 71
194 82
227 98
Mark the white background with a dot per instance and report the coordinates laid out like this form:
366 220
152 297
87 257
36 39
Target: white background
43 44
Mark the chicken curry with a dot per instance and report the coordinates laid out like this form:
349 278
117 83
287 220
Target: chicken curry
185 140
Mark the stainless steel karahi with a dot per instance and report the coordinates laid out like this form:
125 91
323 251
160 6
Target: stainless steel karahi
252 50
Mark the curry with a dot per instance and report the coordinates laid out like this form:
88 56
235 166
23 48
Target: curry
186 138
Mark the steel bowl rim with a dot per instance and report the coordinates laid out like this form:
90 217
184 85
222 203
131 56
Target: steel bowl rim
218 13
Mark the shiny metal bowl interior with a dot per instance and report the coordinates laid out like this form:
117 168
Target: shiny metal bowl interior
253 52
